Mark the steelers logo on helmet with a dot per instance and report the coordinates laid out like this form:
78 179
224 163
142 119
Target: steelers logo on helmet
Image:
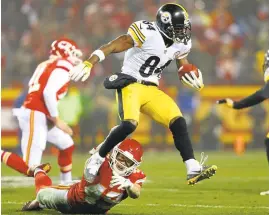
166 17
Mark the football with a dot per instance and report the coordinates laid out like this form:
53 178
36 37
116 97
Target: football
187 68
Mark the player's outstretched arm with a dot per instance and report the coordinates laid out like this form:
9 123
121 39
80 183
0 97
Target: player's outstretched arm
254 99
120 44
134 191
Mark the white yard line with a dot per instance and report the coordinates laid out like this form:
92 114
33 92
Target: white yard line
173 205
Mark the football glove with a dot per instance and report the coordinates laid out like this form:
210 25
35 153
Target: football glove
193 81
81 71
229 102
123 183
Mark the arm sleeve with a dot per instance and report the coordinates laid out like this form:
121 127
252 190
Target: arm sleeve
256 98
137 34
58 78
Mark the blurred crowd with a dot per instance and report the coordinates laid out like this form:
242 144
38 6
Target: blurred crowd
229 36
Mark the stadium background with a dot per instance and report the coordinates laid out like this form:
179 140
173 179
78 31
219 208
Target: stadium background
229 39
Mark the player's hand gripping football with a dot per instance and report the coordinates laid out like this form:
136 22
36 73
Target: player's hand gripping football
61 125
81 71
228 102
121 181
191 80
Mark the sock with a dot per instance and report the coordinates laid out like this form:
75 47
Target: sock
192 165
267 147
65 163
181 138
65 177
116 135
14 161
41 180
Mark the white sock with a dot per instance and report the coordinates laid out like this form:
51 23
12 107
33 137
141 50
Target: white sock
65 177
192 165
37 170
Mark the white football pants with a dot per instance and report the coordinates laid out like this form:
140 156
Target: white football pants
35 135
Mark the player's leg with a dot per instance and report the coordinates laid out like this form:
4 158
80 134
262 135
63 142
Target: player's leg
47 196
34 134
65 144
14 161
164 110
129 103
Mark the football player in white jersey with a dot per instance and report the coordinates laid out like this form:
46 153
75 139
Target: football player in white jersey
150 46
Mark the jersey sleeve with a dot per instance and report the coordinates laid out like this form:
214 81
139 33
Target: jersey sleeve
139 31
138 177
184 50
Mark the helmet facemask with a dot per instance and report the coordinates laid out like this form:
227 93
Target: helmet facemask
179 33
66 49
122 162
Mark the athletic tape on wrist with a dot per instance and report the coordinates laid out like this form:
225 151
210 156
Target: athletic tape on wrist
99 53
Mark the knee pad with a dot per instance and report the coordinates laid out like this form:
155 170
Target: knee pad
127 127
179 127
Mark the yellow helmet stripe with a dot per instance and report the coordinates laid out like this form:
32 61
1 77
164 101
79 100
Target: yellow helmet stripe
187 15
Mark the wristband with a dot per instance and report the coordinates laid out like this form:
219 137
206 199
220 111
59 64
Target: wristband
88 64
99 53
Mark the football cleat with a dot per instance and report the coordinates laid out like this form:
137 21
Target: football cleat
31 206
204 173
46 167
264 193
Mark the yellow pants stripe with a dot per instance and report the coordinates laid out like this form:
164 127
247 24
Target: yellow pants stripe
30 140
5 157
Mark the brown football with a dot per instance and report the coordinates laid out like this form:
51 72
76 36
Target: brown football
187 68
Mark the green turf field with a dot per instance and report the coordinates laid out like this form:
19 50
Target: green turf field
233 190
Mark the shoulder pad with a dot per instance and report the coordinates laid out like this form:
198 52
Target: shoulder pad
140 31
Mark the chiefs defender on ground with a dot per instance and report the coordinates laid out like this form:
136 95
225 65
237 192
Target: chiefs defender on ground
254 99
151 47
48 84
117 178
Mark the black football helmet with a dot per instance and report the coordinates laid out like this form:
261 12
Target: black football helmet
172 21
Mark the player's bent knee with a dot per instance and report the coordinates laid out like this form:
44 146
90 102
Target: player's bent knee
128 126
179 126
173 120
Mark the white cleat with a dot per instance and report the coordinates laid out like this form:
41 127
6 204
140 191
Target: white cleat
264 193
92 167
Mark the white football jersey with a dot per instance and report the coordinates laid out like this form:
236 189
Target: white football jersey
149 56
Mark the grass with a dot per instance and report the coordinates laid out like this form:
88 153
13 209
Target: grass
233 190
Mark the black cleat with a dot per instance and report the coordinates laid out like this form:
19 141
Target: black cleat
205 173
31 206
